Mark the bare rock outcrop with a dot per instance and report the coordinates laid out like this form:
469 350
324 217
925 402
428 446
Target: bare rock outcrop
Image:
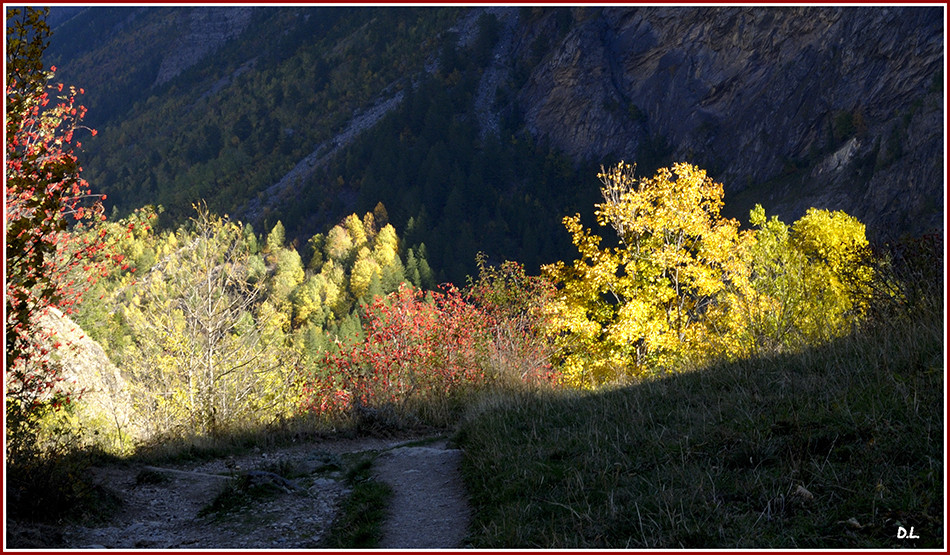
839 108
209 29
104 393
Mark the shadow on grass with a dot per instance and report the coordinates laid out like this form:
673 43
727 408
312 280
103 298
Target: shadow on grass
836 447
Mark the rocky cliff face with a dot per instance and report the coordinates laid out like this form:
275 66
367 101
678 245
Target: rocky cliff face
790 107
105 402
208 29
839 108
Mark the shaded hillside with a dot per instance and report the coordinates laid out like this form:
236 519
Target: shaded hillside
485 126
209 103
838 108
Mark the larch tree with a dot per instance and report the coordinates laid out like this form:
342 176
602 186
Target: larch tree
362 274
338 245
210 348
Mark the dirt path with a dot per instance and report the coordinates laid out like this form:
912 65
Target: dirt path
161 504
429 507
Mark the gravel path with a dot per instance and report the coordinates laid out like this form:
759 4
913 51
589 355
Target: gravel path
429 507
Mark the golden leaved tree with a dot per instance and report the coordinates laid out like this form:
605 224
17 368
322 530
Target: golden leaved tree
209 349
805 284
683 282
637 307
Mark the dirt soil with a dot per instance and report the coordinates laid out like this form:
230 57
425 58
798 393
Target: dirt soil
161 503
429 508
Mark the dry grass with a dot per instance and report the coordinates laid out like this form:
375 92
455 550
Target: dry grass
835 447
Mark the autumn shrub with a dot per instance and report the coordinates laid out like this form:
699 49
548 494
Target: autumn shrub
54 248
521 351
683 287
832 445
636 308
418 347
801 285
426 353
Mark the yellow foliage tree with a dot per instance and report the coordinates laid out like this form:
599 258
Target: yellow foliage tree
805 284
386 245
635 308
209 350
356 230
837 274
339 245
362 274
288 274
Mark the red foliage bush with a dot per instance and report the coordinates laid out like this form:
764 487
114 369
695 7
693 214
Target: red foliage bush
433 345
54 248
417 345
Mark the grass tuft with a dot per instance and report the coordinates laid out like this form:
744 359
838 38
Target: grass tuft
151 477
237 494
57 488
359 522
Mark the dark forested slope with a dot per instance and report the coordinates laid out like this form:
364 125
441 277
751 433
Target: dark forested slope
479 128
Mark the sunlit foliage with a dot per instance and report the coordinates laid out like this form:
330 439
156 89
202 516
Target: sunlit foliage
515 304
208 344
45 198
684 284
804 284
417 346
636 307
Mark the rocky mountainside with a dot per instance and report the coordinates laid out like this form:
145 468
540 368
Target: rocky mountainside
833 107
207 31
790 107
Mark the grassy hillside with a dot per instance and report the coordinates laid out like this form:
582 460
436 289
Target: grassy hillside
837 447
